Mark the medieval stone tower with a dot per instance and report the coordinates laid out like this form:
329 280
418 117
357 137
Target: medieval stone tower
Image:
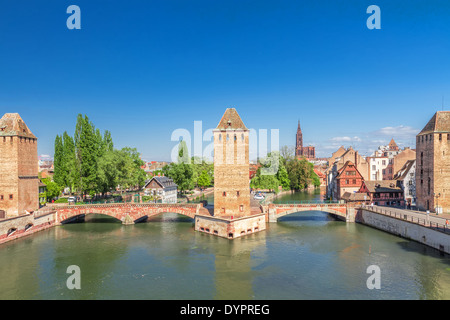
433 164
18 167
231 167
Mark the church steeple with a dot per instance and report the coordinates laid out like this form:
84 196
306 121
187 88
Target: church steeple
299 141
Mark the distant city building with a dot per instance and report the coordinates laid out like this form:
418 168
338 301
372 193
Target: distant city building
397 161
389 151
407 177
377 167
308 152
163 188
433 164
19 182
383 192
348 180
340 158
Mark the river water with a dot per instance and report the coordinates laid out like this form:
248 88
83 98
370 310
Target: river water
306 255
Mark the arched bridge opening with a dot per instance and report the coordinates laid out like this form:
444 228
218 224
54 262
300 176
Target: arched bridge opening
276 211
126 213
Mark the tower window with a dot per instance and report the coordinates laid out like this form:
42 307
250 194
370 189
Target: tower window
241 208
440 136
237 193
220 137
10 197
224 194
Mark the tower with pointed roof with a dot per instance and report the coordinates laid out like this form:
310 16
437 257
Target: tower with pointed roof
433 163
393 146
19 182
231 166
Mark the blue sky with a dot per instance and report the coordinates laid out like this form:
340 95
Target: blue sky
143 69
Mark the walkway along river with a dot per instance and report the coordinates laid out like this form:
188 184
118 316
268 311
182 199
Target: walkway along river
306 255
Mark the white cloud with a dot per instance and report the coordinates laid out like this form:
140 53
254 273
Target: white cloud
346 139
399 132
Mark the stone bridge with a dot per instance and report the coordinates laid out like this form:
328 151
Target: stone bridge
341 211
128 213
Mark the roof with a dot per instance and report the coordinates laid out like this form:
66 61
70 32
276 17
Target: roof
440 122
166 183
403 172
354 196
392 143
344 167
11 124
383 186
231 120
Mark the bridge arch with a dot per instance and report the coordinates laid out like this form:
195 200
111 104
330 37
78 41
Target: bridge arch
277 211
125 212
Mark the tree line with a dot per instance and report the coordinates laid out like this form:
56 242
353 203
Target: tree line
286 170
88 163
189 172
290 172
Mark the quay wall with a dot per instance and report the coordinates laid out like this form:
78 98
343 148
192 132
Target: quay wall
24 225
405 229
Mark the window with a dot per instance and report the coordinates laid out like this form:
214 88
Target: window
220 137
237 193
448 136
228 137
346 181
242 137
235 138
241 208
440 136
224 194
429 185
354 181
10 197
1 197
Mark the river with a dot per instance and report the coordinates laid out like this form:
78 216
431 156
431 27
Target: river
306 255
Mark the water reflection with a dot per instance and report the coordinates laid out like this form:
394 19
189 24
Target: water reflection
306 255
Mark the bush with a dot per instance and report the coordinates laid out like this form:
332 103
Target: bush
61 200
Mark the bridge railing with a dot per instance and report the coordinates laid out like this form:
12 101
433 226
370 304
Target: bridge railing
299 202
403 215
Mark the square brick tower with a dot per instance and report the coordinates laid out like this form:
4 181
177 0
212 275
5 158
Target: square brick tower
433 164
231 167
19 167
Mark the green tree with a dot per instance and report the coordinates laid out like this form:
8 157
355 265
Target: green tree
69 162
58 162
204 180
283 177
53 189
301 174
181 173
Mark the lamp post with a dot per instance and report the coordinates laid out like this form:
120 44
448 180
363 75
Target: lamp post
437 203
